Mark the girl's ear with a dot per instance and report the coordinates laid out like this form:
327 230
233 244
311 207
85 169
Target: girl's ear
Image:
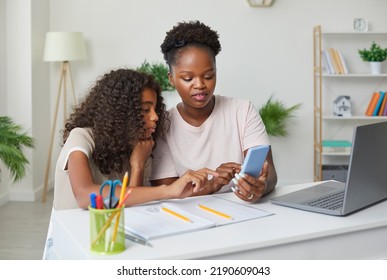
171 81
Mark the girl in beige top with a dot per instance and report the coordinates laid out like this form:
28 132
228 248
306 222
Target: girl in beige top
113 131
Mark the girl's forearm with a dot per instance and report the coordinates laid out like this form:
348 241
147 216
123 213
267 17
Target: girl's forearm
136 177
145 194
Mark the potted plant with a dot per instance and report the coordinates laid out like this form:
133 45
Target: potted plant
275 116
375 56
159 71
12 141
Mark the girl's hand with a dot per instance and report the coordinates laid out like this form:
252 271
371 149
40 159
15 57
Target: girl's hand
249 188
141 151
191 182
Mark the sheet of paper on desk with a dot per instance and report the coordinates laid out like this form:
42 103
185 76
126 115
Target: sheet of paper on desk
150 221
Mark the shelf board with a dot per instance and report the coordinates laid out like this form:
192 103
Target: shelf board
358 75
353 33
336 154
355 118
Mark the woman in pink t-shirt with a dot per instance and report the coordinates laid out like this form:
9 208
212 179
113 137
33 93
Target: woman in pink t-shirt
208 130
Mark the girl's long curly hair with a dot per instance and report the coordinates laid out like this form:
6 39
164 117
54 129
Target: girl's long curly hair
112 110
191 33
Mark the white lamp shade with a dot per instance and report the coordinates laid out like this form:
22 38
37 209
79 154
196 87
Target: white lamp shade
64 46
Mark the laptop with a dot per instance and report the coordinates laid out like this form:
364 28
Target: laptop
366 182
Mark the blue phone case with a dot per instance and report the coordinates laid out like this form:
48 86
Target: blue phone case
254 160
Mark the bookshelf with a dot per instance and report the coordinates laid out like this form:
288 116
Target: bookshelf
358 83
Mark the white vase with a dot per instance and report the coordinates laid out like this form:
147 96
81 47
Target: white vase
376 67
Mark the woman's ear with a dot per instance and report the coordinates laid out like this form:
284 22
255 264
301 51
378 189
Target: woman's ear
171 81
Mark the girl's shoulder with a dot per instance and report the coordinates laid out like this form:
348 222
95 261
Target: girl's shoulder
80 138
81 133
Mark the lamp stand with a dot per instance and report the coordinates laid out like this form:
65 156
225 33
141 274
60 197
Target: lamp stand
65 74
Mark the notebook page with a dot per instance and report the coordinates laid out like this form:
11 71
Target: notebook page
151 221
237 211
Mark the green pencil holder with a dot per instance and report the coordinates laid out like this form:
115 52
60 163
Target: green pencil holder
107 231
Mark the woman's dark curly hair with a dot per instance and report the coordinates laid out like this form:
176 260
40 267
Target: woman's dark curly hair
192 33
113 111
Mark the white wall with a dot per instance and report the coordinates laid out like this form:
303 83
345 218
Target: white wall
19 78
26 85
3 96
265 51
40 91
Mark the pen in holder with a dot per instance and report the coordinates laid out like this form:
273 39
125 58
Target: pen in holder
105 236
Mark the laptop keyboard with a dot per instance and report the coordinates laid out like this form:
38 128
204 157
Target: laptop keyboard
332 202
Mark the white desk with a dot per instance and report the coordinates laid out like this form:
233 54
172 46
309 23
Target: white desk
289 234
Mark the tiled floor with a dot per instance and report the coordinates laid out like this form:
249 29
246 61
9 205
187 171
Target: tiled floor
23 229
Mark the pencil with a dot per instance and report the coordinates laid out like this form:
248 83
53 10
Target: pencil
123 187
215 212
176 214
125 198
124 184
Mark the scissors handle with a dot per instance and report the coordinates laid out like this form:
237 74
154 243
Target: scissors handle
111 200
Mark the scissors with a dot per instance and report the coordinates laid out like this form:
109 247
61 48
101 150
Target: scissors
111 201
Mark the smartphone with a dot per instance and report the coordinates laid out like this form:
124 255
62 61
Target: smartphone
254 160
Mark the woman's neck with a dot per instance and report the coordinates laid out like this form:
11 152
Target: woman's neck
196 116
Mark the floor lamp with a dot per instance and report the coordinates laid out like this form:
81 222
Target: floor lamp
62 47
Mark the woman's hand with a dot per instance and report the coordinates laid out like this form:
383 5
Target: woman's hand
191 182
226 172
249 188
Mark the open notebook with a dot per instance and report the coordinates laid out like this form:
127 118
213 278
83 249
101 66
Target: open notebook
151 220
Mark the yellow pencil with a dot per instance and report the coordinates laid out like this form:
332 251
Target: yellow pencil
122 194
176 214
215 212
124 184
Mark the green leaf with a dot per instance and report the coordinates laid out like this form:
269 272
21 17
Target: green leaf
275 116
12 142
159 71
374 53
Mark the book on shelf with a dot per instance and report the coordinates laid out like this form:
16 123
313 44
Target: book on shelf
343 63
384 113
383 106
336 146
378 104
338 60
335 61
324 64
178 216
372 103
327 63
